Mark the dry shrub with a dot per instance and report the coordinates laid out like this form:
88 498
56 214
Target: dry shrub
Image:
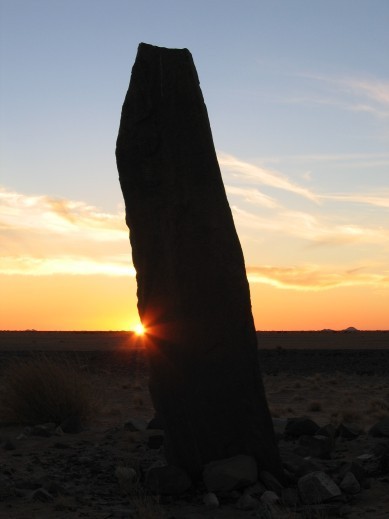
144 505
42 390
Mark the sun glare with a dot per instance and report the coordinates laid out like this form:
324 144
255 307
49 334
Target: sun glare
139 329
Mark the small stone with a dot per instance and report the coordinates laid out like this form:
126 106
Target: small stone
270 482
317 487
270 498
349 431
300 426
230 473
71 425
255 490
211 501
41 430
380 429
41 494
365 457
134 424
350 484
247 502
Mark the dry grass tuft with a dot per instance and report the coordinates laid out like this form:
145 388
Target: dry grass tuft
42 390
144 505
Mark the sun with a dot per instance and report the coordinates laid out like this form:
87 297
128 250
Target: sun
139 329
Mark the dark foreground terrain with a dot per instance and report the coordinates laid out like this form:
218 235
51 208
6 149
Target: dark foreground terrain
340 381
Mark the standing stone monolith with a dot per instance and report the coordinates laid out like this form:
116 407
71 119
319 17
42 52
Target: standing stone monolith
193 294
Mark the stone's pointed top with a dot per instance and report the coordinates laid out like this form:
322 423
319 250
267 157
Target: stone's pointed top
154 48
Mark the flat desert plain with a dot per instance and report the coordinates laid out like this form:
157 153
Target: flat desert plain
331 377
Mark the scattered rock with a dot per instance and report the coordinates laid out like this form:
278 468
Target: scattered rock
230 473
41 494
270 498
211 501
134 424
167 480
45 430
71 425
317 487
247 502
350 484
349 431
270 482
300 426
380 429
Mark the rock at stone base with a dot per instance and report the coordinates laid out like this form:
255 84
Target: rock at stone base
156 423
271 482
349 431
134 424
300 426
317 487
230 473
247 502
356 469
380 429
71 425
167 480
315 446
350 484
270 498
45 430
211 501
41 494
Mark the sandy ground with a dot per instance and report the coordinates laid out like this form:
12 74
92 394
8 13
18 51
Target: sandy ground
297 383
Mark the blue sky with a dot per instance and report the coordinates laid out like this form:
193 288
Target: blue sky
298 99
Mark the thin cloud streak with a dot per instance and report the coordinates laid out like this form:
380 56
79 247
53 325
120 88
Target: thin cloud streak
43 236
253 196
313 278
308 227
63 265
250 172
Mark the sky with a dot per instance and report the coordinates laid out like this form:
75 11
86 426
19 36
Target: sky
297 94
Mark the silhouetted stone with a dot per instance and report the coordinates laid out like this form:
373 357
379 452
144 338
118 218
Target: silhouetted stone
193 294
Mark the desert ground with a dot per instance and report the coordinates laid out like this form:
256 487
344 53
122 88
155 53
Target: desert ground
331 377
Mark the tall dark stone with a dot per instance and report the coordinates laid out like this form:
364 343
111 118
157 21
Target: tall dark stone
193 294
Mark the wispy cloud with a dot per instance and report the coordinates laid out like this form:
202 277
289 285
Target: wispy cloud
370 95
310 278
253 196
252 173
311 228
41 235
373 199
